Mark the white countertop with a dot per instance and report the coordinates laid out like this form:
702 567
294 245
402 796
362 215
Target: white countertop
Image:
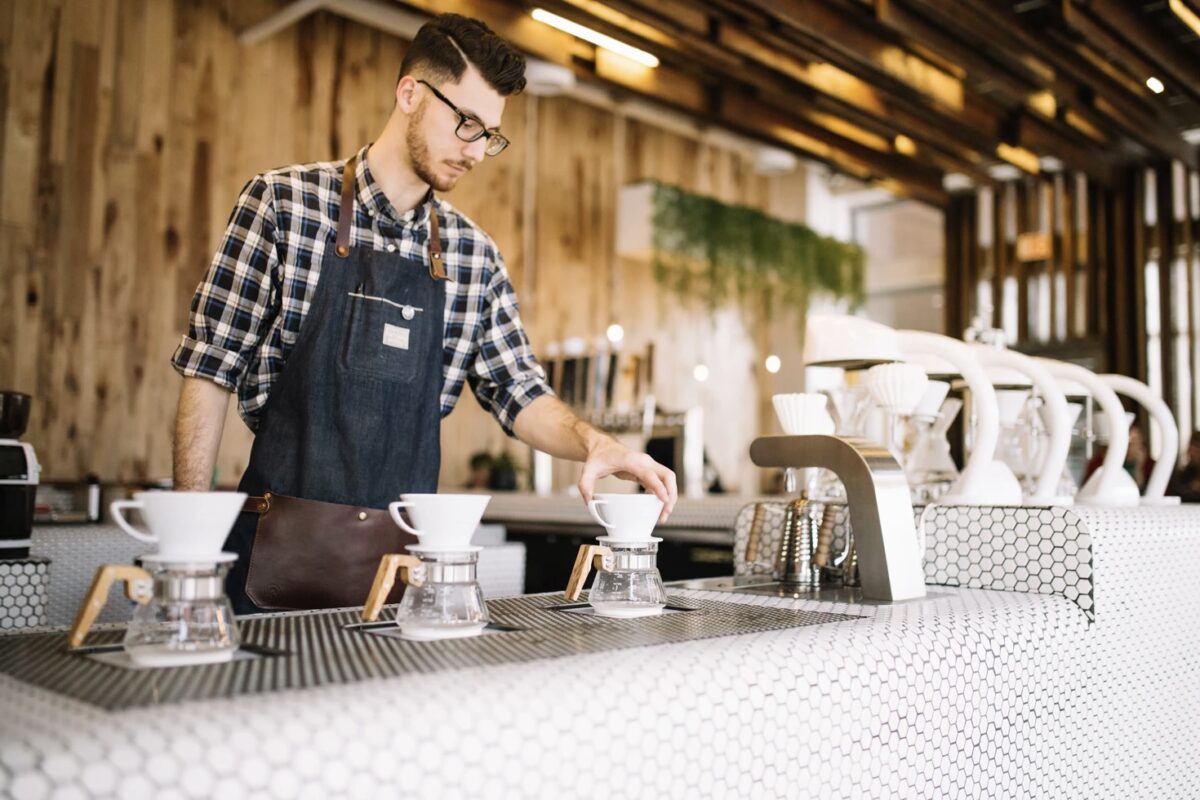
1017 692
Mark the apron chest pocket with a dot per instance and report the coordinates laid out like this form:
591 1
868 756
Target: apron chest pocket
383 338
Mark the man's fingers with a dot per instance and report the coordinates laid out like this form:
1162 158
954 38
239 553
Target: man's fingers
649 478
668 477
587 483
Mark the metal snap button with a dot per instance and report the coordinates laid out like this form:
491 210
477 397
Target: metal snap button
362 515
407 312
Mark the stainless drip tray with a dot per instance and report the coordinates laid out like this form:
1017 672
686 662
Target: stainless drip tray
762 585
585 609
390 629
114 655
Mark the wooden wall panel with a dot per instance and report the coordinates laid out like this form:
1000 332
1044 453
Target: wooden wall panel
128 129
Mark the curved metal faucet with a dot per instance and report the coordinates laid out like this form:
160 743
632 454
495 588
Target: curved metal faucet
890 562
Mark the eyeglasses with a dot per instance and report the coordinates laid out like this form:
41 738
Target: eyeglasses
471 129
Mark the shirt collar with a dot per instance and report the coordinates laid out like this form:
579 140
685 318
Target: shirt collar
372 198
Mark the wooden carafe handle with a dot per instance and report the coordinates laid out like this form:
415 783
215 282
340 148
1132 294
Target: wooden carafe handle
135 579
385 579
589 555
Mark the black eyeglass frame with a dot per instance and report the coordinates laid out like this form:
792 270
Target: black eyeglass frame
493 135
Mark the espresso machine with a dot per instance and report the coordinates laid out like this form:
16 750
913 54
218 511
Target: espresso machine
19 473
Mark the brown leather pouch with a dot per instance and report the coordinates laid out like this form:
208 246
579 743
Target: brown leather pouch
310 554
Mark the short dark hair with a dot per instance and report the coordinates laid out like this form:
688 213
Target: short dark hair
437 54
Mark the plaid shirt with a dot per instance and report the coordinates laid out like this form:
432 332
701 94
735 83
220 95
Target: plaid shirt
246 313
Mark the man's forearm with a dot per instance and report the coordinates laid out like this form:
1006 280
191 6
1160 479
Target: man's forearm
199 422
550 426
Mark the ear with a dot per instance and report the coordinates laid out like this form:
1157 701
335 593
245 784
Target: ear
406 94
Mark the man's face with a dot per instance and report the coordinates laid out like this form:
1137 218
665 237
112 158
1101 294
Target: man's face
439 157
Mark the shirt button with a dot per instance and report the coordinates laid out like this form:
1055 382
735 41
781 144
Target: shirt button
370 212
391 248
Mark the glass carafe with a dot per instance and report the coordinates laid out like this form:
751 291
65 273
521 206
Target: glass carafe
442 598
182 616
627 582
189 620
930 467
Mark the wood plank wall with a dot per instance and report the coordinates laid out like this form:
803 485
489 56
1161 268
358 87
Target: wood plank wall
130 125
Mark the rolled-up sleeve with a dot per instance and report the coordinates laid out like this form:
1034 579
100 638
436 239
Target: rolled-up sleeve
232 309
505 375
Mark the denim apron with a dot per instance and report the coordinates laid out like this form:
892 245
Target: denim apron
355 416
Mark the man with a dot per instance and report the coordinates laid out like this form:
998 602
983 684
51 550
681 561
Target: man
345 307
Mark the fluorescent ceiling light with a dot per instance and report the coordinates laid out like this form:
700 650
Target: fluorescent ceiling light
595 37
1050 164
1004 172
1155 85
1188 16
957 182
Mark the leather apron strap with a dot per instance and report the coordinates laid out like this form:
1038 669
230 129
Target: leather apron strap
346 210
437 268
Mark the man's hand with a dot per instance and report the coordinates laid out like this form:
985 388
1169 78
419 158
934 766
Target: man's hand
551 427
609 457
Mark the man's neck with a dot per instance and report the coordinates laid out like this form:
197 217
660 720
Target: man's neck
388 160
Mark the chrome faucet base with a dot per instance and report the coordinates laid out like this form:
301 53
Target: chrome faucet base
886 552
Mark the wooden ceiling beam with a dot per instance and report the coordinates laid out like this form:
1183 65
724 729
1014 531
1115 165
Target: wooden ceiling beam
1130 107
983 128
984 22
1012 87
1122 21
749 115
775 73
839 132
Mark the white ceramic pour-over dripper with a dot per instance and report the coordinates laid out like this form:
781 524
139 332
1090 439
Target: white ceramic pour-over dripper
1055 404
984 481
1156 485
627 517
897 388
441 521
185 526
801 414
1110 485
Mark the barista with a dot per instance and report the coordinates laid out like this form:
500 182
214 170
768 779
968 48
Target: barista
346 306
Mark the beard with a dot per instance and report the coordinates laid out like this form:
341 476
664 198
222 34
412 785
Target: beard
422 162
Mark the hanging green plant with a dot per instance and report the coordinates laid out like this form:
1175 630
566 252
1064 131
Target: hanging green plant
707 251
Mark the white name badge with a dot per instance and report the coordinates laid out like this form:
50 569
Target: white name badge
395 336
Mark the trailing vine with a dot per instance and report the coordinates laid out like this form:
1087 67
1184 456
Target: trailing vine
710 252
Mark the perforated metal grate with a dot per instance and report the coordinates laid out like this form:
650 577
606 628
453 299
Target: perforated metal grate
323 649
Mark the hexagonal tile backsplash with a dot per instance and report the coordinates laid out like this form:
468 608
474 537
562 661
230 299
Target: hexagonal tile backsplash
1016 549
23 592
